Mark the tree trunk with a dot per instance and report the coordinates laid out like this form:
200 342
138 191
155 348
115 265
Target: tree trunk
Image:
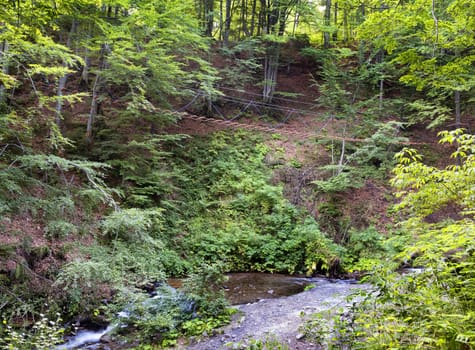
271 66
458 116
296 23
221 21
342 158
327 17
92 110
253 17
95 94
346 30
381 82
262 28
62 80
227 23
341 163
4 67
209 17
244 30
335 21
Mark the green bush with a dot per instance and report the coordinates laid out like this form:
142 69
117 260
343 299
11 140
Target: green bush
59 229
132 225
238 217
365 248
205 286
43 335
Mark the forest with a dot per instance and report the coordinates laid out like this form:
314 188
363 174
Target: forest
144 140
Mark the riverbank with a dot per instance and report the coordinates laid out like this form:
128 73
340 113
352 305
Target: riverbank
278 319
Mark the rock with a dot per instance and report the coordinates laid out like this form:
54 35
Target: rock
300 336
106 339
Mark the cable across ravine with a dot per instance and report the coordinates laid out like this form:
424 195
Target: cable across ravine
278 129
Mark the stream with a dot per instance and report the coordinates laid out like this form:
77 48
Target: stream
270 305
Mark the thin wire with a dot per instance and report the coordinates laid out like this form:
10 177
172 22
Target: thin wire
274 98
232 123
267 105
181 109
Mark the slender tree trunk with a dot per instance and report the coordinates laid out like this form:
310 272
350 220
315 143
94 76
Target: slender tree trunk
296 23
209 17
95 94
381 82
87 61
62 80
85 68
436 24
342 158
271 66
4 67
327 17
335 21
458 116
342 154
244 18
221 21
262 28
282 21
253 17
363 12
346 30
227 23
92 110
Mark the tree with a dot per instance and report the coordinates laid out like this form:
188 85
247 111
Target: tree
433 42
434 307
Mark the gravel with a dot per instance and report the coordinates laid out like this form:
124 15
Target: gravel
278 319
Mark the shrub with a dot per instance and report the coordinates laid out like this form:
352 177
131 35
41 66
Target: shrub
43 335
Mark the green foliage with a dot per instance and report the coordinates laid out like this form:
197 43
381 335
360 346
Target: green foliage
340 182
334 92
162 319
364 249
53 175
426 190
206 325
433 307
365 243
43 335
132 225
121 265
242 62
205 286
422 40
59 229
159 318
317 327
433 110
237 218
270 343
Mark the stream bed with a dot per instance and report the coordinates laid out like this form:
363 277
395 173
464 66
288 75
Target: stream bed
269 304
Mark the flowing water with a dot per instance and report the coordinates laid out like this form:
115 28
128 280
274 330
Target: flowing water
240 288
243 288
85 339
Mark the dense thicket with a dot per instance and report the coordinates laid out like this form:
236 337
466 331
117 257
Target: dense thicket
99 198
